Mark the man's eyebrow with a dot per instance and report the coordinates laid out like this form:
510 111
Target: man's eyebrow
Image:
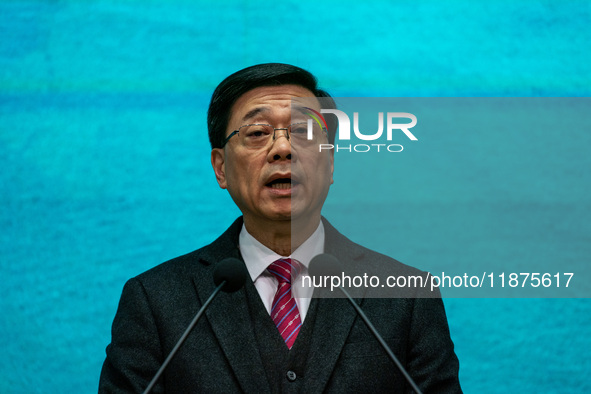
254 112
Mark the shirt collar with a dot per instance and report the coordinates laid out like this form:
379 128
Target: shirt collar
258 257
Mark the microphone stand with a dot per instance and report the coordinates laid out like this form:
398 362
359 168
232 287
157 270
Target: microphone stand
382 342
183 338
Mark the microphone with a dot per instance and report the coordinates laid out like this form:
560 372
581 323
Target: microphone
327 265
229 276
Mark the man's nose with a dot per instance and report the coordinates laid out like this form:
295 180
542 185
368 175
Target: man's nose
281 145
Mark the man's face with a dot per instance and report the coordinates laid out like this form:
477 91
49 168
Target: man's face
278 182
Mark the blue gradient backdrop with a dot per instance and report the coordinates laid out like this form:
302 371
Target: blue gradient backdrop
105 160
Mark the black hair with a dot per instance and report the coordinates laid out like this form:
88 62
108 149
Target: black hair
268 74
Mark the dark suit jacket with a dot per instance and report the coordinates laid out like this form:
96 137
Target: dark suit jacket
227 351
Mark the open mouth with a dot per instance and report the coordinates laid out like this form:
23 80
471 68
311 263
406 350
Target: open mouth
281 183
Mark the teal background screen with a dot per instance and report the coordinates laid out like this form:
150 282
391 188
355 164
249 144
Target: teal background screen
105 168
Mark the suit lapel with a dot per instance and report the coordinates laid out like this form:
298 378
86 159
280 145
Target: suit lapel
229 317
334 317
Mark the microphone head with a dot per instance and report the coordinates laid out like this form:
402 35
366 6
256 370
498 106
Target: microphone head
231 270
325 265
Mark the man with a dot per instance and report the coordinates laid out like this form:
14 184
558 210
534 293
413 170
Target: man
266 337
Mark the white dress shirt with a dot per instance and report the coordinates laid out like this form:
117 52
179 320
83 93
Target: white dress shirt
258 258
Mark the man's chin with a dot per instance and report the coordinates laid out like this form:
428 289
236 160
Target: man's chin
296 214
279 215
282 217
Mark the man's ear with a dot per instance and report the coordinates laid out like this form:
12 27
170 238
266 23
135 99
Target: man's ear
218 162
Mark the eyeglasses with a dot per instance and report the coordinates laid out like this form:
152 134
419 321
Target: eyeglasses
256 136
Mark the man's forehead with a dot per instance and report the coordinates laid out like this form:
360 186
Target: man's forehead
264 100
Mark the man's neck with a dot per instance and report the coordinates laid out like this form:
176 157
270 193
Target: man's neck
282 237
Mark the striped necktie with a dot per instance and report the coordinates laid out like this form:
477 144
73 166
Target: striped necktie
284 310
